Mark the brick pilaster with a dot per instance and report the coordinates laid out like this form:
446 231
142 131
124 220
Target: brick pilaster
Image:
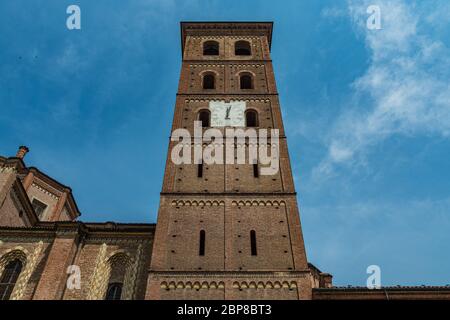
52 282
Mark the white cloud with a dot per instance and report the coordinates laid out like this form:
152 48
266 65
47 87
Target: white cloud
405 89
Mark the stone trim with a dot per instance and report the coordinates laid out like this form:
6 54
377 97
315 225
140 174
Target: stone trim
100 277
197 203
97 285
192 285
231 274
29 263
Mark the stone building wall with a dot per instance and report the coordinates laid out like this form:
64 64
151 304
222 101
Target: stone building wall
46 254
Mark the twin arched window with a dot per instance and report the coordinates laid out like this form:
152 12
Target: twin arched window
241 48
245 80
9 278
251 118
210 48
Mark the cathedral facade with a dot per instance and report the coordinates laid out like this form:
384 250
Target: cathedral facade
224 231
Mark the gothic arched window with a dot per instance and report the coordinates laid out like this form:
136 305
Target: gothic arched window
242 48
251 118
9 278
209 81
114 291
211 48
204 117
246 81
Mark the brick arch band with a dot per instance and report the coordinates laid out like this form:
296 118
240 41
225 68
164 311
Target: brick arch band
28 260
103 267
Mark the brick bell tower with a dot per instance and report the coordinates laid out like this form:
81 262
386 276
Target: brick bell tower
225 231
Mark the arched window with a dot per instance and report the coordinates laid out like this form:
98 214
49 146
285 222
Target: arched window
211 48
204 117
253 242
114 291
251 118
246 81
242 48
209 81
201 249
9 278
117 274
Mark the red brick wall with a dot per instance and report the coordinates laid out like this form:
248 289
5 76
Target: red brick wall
11 212
227 202
48 276
52 281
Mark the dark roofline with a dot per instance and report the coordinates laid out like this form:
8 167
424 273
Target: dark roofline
184 23
78 226
311 266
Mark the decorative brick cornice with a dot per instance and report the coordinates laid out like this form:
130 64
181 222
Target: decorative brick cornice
230 194
230 274
91 231
227 28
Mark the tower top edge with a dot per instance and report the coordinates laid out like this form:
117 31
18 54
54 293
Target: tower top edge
226 28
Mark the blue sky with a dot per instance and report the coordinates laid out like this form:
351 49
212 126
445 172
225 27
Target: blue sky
367 114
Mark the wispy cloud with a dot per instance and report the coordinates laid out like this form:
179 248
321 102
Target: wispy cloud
385 231
405 89
333 12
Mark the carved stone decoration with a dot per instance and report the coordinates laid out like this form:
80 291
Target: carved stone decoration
11 255
97 285
122 259
102 273
28 262
25 275
132 272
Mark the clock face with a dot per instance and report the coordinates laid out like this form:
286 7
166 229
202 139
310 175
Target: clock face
227 114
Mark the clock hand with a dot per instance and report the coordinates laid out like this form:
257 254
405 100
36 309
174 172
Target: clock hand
228 113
